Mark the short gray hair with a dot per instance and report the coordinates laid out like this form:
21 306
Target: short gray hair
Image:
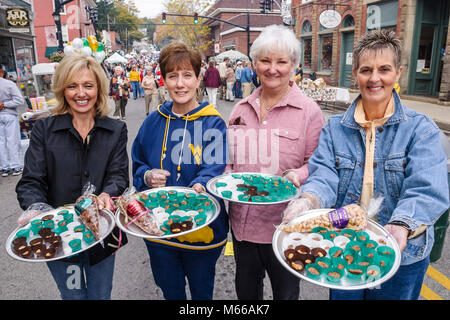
378 40
276 38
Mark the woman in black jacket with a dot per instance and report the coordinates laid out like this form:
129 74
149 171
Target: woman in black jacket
77 145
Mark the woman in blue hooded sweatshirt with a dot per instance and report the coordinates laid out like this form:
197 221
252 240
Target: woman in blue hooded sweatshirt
183 143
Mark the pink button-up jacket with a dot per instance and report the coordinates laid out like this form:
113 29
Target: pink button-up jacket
284 140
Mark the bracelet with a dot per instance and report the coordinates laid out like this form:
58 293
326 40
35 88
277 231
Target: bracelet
145 178
402 224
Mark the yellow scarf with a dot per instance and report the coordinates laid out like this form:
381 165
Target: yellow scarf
370 126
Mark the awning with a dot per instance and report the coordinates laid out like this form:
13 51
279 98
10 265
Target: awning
50 50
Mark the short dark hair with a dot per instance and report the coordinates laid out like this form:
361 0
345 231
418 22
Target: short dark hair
377 40
176 56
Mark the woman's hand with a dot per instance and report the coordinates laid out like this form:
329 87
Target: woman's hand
105 202
293 177
296 208
198 188
399 233
156 178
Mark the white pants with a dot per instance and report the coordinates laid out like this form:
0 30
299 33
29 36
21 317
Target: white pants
9 141
212 95
229 95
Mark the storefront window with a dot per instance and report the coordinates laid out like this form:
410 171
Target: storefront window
326 52
382 15
306 45
24 58
425 48
6 54
307 48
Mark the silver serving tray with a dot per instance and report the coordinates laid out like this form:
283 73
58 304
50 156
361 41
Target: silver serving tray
134 230
377 229
211 186
106 226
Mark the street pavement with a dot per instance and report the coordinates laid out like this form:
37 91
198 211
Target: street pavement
133 277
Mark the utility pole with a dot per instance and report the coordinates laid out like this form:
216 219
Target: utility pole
58 4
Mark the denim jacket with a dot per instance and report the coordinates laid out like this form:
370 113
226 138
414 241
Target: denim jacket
410 171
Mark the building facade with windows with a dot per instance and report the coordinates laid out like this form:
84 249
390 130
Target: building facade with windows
421 25
75 23
17 43
228 37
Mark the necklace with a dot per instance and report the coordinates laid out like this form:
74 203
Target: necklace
267 108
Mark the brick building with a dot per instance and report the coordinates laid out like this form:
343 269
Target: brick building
75 23
17 45
240 12
421 25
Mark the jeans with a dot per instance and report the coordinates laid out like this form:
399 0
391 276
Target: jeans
404 285
170 266
9 141
136 89
252 262
237 90
80 281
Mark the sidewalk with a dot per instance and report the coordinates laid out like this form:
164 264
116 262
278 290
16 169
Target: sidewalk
439 113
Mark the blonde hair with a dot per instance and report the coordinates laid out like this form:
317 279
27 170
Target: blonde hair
67 70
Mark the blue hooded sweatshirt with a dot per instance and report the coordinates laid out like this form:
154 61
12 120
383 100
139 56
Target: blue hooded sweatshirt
193 148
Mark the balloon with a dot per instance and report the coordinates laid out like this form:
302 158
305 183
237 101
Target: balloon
99 56
77 43
68 50
86 51
93 43
85 42
101 47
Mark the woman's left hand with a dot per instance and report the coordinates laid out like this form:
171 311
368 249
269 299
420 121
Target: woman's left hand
198 188
399 233
105 202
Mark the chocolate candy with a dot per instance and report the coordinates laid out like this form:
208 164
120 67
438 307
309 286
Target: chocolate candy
47 217
318 252
297 265
50 253
175 227
36 242
19 240
302 249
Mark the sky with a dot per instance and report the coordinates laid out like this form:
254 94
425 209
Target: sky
149 8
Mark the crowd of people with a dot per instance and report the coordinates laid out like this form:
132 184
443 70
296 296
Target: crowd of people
141 78
378 146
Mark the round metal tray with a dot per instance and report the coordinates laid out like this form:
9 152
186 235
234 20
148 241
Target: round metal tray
377 229
106 226
211 186
134 230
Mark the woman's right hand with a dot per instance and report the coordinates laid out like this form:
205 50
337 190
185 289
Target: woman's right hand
156 178
298 207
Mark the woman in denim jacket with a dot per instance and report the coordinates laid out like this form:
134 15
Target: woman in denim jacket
378 147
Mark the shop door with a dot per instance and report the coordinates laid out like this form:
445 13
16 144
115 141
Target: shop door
427 52
345 74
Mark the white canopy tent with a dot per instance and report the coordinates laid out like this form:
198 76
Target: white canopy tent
116 58
232 54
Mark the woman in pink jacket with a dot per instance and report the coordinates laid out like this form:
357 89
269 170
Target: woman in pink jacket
275 130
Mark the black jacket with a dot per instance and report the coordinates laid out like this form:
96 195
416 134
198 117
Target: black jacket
58 164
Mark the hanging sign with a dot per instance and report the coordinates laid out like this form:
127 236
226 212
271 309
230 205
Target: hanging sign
330 19
18 20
